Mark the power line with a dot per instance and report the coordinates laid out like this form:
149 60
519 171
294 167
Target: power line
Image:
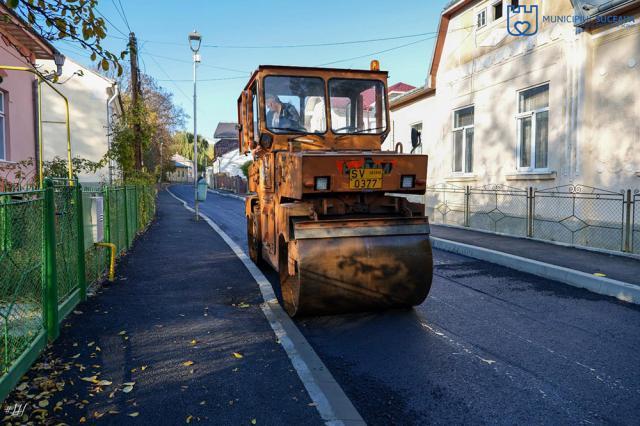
207 79
169 78
377 53
121 13
109 21
202 65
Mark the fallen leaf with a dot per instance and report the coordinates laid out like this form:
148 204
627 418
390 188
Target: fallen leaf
133 370
43 403
235 369
114 412
103 383
189 417
144 367
194 341
253 421
237 355
134 414
98 349
126 337
122 333
91 379
91 343
127 389
82 419
75 356
312 404
600 274
129 383
203 402
243 305
78 312
187 363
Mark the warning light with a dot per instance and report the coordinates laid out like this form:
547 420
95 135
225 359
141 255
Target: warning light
375 65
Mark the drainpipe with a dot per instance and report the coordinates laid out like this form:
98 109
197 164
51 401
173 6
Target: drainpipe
109 122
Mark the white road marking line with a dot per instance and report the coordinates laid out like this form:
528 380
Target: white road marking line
332 403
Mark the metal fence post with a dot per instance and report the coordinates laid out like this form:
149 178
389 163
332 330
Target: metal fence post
107 216
627 225
82 277
467 196
137 222
50 272
530 196
126 218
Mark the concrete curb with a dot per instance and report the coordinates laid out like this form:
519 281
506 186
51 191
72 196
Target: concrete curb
224 194
601 285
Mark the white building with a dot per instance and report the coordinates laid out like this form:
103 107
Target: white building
94 102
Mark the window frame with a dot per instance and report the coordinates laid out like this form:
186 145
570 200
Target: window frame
493 10
464 129
263 110
3 114
411 126
385 103
534 131
478 13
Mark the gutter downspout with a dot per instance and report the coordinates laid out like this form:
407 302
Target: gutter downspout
109 122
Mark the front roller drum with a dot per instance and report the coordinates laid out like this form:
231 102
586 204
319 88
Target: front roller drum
354 274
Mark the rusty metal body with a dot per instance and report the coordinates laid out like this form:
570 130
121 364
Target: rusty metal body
322 215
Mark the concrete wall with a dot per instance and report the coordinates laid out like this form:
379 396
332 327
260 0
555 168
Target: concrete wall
88 95
20 133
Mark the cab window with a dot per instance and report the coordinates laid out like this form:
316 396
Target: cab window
357 106
295 104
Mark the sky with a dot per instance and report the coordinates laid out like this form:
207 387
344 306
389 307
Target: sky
232 29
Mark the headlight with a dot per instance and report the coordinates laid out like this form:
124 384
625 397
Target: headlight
407 181
322 183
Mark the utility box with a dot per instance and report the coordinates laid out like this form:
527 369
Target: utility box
202 189
93 220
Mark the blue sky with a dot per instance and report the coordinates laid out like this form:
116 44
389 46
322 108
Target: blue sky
162 33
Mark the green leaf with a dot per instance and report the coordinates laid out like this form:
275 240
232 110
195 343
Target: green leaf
12 3
105 65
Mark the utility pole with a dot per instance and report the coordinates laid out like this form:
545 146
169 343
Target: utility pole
135 99
194 43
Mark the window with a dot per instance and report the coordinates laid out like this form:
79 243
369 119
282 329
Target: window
533 128
497 10
418 128
482 18
295 104
463 140
357 106
3 152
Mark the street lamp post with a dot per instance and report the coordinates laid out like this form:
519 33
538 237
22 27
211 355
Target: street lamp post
194 42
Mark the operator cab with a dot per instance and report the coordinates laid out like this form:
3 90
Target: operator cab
319 108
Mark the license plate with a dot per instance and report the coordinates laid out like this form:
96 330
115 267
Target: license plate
365 179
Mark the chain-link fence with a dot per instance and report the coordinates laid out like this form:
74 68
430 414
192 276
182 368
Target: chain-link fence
21 264
48 256
577 215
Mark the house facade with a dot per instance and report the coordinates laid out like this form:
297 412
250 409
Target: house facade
553 108
183 172
94 103
19 47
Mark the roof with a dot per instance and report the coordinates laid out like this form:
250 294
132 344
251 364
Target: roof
223 146
226 130
411 97
20 34
401 87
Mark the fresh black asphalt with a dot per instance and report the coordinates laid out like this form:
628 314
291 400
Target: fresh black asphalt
490 345
181 306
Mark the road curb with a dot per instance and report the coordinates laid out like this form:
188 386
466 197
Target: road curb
600 285
224 194
332 403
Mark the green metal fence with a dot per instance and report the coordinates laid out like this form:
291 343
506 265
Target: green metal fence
48 258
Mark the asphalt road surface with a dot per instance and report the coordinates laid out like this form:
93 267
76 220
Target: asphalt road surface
489 345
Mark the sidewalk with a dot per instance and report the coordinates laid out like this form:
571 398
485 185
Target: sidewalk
567 264
178 338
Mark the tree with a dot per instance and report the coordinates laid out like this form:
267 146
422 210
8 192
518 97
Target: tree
183 145
71 20
159 119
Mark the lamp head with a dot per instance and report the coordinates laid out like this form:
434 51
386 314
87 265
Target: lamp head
194 41
59 59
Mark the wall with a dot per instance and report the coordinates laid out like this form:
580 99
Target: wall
88 95
18 86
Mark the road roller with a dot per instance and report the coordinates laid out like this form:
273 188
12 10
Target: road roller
327 207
